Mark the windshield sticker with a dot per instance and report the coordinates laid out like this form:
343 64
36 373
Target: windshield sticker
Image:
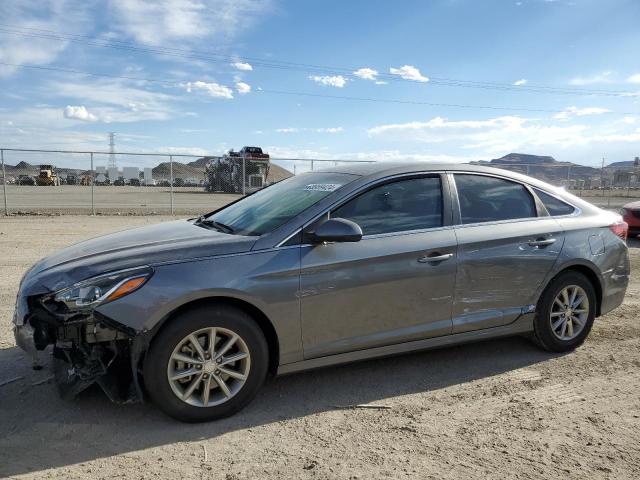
322 187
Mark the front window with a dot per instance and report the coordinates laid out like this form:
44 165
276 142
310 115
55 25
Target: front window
268 209
400 206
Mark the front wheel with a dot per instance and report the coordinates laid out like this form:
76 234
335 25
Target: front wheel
565 313
208 363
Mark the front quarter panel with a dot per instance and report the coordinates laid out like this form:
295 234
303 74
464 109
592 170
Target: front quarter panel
268 280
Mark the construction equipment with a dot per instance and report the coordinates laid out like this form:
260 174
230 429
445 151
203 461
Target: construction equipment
25 180
47 176
237 172
72 179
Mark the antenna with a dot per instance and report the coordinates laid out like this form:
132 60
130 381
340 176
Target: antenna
112 149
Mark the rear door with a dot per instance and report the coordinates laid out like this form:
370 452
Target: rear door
394 285
507 244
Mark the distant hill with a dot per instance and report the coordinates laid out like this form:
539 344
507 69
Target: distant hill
525 158
195 169
543 167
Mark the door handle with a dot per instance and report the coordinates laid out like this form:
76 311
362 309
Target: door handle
435 258
542 242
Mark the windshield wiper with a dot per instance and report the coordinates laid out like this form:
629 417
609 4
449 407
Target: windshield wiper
217 225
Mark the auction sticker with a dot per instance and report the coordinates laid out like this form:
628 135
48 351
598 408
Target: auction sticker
322 187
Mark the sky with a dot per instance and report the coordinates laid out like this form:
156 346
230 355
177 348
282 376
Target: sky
437 80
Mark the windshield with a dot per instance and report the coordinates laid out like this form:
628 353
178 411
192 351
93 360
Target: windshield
267 209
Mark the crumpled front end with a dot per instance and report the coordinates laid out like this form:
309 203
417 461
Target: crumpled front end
88 347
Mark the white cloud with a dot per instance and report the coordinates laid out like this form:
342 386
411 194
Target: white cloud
243 66
602 77
635 78
337 81
58 15
211 88
243 88
317 130
162 22
504 134
330 130
79 113
366 73
113 100
409 72
522 81
571 112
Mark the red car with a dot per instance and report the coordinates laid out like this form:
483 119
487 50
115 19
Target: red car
631 215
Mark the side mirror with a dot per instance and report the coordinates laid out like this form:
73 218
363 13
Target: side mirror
337 230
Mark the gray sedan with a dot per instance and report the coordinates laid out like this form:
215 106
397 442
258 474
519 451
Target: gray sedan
322 268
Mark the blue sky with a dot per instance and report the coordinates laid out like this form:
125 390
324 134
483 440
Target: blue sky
217 65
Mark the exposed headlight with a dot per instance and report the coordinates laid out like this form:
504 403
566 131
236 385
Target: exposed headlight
90 293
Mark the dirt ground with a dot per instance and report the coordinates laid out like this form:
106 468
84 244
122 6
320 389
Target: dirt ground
498 409
76 199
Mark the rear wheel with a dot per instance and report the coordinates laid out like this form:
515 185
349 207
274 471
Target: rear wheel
208 363
565 313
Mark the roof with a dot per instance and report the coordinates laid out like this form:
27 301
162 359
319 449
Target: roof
380 169
375 168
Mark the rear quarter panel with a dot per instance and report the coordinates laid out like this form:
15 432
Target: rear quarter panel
589 242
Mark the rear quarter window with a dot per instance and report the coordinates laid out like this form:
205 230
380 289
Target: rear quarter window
555 206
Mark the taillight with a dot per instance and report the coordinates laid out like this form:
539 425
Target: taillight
620 229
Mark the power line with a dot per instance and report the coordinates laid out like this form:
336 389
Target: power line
308 68
309 94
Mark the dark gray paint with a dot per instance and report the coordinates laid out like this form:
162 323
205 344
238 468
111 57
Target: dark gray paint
330 303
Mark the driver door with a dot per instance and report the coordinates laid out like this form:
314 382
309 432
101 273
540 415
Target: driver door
393 286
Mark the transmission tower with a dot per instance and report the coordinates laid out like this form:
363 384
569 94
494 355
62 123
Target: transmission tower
112 149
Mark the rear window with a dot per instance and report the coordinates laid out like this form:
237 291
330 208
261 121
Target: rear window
489 199
555 206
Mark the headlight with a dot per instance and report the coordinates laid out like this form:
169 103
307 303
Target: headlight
90 293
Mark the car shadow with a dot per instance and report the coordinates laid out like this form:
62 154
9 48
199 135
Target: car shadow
39 431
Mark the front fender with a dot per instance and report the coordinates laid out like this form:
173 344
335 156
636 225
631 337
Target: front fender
267 280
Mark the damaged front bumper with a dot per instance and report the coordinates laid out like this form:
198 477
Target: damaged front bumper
88 348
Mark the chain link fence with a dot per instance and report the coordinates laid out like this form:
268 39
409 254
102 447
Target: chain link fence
80 182
605 187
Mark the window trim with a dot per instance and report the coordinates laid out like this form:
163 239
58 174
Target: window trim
541 211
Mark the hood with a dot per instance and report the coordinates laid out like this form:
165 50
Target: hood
169 241
632 206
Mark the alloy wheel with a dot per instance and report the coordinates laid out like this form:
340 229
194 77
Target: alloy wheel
209 366
569 312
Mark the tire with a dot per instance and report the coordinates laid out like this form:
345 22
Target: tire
544 335
160 362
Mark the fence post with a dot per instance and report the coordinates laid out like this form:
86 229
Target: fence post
171 180
93 181
244 176
312 165
4 184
